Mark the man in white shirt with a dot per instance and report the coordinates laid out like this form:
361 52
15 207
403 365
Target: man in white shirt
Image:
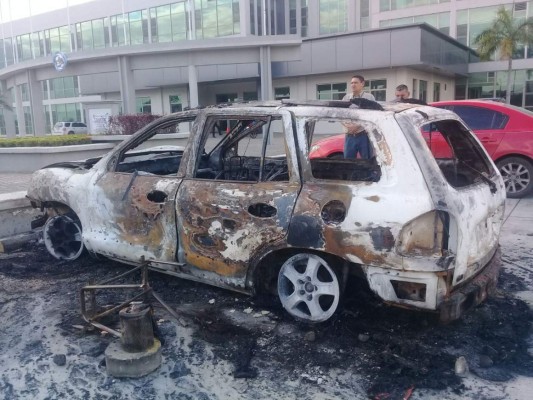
356 140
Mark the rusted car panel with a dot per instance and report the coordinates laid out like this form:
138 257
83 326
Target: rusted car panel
250 209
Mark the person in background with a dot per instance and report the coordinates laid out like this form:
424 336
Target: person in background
356 140
402 92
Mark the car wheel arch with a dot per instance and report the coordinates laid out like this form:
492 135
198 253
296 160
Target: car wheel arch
263 275
62 228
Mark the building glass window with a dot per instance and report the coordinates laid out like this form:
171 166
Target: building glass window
216 18
92 34
436 91
119 31
37 39
143 105
169 23
305 9
423 90
249 96
292 17
331 91
277 17
9 56
28 121
130 28
282 93
2 55
3 130
364 21
175 104
24 92
64 87
332 16
64 112
24 47
377 87
441 21
387 5
481 85
138 26
57 39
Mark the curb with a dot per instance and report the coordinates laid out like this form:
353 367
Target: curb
16 214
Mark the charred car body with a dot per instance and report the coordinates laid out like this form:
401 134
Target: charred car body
250 211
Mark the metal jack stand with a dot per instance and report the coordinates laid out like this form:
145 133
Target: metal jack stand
88 295
138 352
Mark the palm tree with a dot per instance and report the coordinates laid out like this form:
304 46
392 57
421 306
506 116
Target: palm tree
505 35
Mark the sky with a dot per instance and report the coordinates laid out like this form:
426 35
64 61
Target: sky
16 9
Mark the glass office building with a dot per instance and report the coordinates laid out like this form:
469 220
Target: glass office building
155 56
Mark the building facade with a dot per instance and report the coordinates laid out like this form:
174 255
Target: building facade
161 56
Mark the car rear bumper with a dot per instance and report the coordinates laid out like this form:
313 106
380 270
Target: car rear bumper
474 292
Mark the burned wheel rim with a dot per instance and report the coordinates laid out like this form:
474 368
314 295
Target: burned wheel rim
62 237
308 288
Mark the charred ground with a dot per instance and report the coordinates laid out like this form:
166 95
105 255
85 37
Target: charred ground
367 350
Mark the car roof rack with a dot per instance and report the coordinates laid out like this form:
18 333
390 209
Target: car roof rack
364 104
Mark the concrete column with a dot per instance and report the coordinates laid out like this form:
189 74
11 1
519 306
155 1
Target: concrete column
313 20
244 16
193 86
353 15
36 102
9 114
19 110
265 67
127 88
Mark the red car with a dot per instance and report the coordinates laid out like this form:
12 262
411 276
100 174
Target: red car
505 131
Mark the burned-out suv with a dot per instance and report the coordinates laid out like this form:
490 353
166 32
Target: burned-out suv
250 211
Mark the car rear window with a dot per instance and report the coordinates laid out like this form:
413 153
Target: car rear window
479 118
459 156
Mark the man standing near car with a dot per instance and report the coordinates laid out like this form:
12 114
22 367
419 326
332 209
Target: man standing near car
356 140
402 93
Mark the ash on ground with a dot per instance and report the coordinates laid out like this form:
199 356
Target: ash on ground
227 345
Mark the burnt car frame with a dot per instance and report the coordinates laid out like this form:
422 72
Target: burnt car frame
263 216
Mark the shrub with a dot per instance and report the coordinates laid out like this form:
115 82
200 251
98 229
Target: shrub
129 124
45 141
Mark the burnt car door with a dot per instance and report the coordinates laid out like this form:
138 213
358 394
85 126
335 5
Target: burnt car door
135 215
236 201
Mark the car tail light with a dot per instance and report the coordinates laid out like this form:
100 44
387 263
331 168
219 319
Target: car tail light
425 235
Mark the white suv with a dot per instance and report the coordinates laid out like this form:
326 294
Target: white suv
252 212
70 128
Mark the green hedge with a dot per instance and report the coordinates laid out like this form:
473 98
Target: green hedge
45 141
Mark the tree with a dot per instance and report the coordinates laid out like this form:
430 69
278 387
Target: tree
504 36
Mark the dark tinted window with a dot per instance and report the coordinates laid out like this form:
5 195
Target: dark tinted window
480 118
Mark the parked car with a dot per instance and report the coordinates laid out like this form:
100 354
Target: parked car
70 128
505 131
259 215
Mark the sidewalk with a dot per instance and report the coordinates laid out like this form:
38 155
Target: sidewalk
11 182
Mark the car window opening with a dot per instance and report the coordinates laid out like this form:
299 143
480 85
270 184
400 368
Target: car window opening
249 149
336 166
460 158
153 160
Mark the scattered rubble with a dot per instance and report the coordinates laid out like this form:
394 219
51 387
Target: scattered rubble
368 351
